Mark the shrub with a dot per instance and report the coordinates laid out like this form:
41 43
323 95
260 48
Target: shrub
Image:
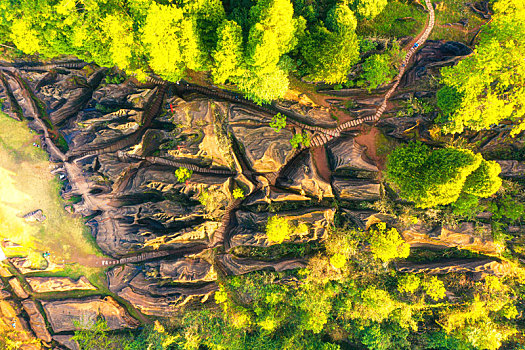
438 177
408 284
278 229
387 244
278 122
183 174
298 139
434 288
238 193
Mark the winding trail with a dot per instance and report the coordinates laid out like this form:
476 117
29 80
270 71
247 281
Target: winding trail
324 137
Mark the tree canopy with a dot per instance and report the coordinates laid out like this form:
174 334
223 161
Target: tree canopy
438 177
489 86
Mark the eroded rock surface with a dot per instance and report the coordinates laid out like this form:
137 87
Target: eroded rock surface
449 266
17 288
238 266
345 153
36 320
302 175
58 284
250 227
142 286
64 314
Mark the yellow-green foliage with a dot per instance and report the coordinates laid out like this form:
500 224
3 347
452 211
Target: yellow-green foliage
338 260
375 305
434 288
228 54
408 283
488 85
238 193
438 177
331 51
484 181
278 122
387 244
278 229
474 324
171 40
369 8
183 174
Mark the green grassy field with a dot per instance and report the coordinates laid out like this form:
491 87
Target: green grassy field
27 185
389 23
452 11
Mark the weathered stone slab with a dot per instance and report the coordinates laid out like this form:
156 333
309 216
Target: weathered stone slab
58 284
63 314
356 189
449 266
301 174
36 320
266 150
17 288
238 266
66 341
345 153
187 270
250 228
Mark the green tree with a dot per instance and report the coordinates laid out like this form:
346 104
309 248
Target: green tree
183 174
278 122
171 42
484 181
377 69
369 8
271 35
434 288
228 54
278 229
301 138
264 87
438 177
490 82
387 244
408 283
93 336
331 52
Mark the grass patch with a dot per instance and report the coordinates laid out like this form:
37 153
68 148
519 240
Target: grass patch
453 11
27 185
388 23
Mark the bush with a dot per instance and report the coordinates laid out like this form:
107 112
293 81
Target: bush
183 174
408 283
434 288
278 229
298 139
278 122
387 244
438 177
238 193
